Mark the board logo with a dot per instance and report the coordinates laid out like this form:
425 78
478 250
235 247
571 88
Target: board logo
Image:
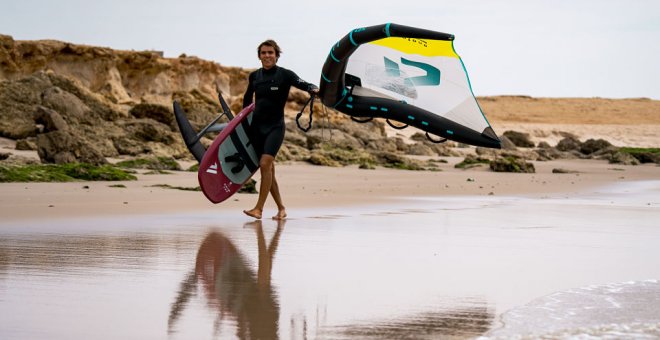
213 169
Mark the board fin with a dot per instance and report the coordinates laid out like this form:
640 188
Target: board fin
188 133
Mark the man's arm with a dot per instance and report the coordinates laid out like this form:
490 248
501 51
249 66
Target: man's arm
249 92
301 84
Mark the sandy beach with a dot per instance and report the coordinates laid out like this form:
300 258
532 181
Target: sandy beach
561 256
568 251
306 186
365 254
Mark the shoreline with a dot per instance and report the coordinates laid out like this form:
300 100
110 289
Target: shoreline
306 186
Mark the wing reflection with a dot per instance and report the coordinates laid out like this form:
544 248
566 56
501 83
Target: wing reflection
230 286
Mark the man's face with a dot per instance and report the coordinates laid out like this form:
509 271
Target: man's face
267 56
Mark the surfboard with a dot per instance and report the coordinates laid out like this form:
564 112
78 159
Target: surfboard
230 160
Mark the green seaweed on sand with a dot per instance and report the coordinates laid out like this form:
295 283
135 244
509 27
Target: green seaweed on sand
472 161
167 186
69 172
643 155
248 188
157 172
152 163
512 164
328 155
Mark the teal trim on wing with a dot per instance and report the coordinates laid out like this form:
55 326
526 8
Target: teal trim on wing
343 96
350 37
411 117
325 78
470 84
333 57
387 29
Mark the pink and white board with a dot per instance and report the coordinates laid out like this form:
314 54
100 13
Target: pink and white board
230 161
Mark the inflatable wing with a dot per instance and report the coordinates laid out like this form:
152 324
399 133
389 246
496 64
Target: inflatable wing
409 75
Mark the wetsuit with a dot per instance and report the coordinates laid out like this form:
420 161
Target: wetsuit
271 88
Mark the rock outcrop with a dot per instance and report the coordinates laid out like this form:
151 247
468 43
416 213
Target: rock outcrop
122 77
77 103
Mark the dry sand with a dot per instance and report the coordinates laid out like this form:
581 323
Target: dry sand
308 186
630 122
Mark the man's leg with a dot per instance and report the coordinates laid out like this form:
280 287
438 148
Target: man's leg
266 167
275 192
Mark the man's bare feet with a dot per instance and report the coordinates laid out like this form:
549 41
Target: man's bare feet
281 214
256 213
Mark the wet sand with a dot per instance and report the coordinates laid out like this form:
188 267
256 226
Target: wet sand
548 262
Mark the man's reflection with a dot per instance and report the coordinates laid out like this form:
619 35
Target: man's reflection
231 287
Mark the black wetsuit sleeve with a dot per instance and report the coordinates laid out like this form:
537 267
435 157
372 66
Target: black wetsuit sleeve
249 91
298 83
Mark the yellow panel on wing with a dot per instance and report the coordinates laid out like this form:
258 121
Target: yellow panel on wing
425 47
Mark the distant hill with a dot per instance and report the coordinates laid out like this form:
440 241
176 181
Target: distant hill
525 109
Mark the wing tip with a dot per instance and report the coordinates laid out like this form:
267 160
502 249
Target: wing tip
491 136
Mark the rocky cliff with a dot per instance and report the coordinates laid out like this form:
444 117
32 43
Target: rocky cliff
124 78
106 101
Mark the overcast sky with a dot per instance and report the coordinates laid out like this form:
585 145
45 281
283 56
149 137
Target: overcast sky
549 48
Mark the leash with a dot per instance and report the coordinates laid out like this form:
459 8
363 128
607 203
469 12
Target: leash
311 111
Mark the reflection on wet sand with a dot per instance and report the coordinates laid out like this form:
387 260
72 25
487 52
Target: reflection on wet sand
230 286
246 302
441 270
462 323
76 254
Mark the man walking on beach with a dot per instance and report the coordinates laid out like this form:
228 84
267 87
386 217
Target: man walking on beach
270 86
